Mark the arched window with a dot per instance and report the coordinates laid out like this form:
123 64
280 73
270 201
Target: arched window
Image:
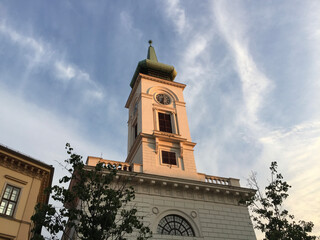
175 225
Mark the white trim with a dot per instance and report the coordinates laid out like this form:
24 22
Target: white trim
173 119
178 165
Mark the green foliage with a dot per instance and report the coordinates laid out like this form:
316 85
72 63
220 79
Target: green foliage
95 205
269 216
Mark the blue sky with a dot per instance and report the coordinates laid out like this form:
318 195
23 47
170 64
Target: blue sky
252 70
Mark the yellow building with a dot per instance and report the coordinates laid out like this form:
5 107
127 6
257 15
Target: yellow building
22 183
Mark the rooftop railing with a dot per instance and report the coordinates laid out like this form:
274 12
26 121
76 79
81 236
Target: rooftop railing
123 166
92 161
222 180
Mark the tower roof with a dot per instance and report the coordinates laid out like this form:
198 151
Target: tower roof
151 66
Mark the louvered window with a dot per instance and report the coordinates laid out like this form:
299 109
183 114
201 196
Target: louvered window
169 158
165 122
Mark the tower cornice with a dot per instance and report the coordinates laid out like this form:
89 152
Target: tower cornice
144 76
142 137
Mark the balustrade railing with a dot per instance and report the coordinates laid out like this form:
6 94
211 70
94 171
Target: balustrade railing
217 180
222 180
123 166
118 165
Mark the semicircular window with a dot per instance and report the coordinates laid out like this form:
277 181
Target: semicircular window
175 225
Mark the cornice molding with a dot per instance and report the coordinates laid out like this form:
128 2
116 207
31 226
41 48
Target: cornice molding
151 184
156 136
170 137
140 76
15 179
164 108
30 169
176 84
179 103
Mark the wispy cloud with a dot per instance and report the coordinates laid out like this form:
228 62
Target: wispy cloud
177 14
312 21
197 70
255 85
311 28
41 129
296 148
40 55
194 61
38 49
128 24
65 72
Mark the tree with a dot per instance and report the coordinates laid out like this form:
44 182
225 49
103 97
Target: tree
95 205
269 216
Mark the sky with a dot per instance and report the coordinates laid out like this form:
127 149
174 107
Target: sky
252 70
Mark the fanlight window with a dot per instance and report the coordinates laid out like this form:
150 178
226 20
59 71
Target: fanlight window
175 225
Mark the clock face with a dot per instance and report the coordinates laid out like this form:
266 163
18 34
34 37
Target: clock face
163 99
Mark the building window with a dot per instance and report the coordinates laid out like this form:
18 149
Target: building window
175 225
135 131
9 200
165 122
169 158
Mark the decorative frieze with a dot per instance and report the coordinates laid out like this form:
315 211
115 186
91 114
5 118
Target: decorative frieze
22 167
212 188
190 192
26 168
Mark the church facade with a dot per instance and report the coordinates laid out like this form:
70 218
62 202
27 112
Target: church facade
176 201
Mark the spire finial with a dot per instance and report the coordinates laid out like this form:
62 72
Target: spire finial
152 53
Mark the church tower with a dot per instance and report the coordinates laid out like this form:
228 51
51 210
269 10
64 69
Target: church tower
175 200
158 132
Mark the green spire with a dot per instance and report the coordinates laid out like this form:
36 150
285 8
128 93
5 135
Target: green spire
150 66
152 53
